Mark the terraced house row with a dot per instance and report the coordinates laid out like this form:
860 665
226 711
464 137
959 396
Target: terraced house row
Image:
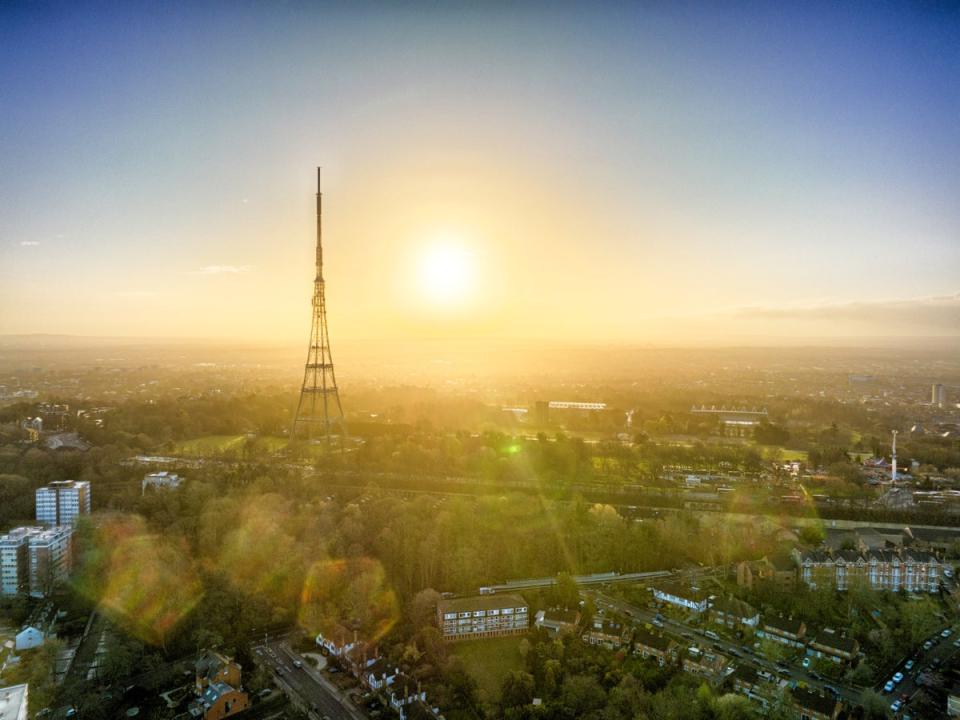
906 570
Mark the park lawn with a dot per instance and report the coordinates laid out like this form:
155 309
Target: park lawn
489 661
785 454
217 444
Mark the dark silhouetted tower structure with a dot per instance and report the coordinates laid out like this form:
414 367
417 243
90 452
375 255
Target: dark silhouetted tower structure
319 413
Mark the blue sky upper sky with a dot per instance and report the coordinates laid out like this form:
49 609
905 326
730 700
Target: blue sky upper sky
631 172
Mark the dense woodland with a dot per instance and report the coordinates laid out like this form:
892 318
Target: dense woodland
266 536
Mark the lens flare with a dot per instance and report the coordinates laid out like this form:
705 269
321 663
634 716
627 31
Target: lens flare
143 582
258 555
351 594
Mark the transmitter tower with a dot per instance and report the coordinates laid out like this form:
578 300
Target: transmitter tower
319 413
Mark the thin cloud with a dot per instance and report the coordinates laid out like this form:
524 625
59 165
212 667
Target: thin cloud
223 270
935 313
29 243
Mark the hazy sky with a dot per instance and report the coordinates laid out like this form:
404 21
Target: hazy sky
645 172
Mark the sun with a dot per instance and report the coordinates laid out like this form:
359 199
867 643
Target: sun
446 274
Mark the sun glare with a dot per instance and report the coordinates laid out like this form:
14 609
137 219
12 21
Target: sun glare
446 274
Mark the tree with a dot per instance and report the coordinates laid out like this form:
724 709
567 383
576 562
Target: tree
733 707
874 705
516 689
423 608
582 694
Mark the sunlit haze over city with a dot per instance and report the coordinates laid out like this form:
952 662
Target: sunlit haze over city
479 360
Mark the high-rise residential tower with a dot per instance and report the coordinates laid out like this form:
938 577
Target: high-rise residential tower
62 501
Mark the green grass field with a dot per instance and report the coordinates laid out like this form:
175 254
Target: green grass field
489 661
785 454
216 444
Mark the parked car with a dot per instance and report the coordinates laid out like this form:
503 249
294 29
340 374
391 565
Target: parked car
896 705
897 678
888 687
928 644
908 665
946 633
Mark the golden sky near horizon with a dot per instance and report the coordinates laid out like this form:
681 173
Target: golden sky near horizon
573 177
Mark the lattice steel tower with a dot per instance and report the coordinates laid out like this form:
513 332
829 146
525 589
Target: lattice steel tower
319 413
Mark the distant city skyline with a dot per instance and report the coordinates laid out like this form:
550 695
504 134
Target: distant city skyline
667 174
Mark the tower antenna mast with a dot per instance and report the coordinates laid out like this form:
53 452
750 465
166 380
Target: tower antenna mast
319 413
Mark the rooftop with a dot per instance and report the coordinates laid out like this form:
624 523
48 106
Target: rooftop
681 591
556 615
12 700
642 636
746 674
784 625
813 701
481 602
835 641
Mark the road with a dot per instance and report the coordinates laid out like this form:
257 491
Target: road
306 684
685 633
923 666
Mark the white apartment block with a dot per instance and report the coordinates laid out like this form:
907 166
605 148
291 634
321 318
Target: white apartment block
482 616
33 560
50 559
14 560
60 502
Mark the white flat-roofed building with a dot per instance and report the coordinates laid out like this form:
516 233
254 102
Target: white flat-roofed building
62 501
570 405
162 479
482 616
13 702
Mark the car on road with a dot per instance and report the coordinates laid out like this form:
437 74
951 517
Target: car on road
908 665
297 664
896 705
897 678
888 687
806 662
832 690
